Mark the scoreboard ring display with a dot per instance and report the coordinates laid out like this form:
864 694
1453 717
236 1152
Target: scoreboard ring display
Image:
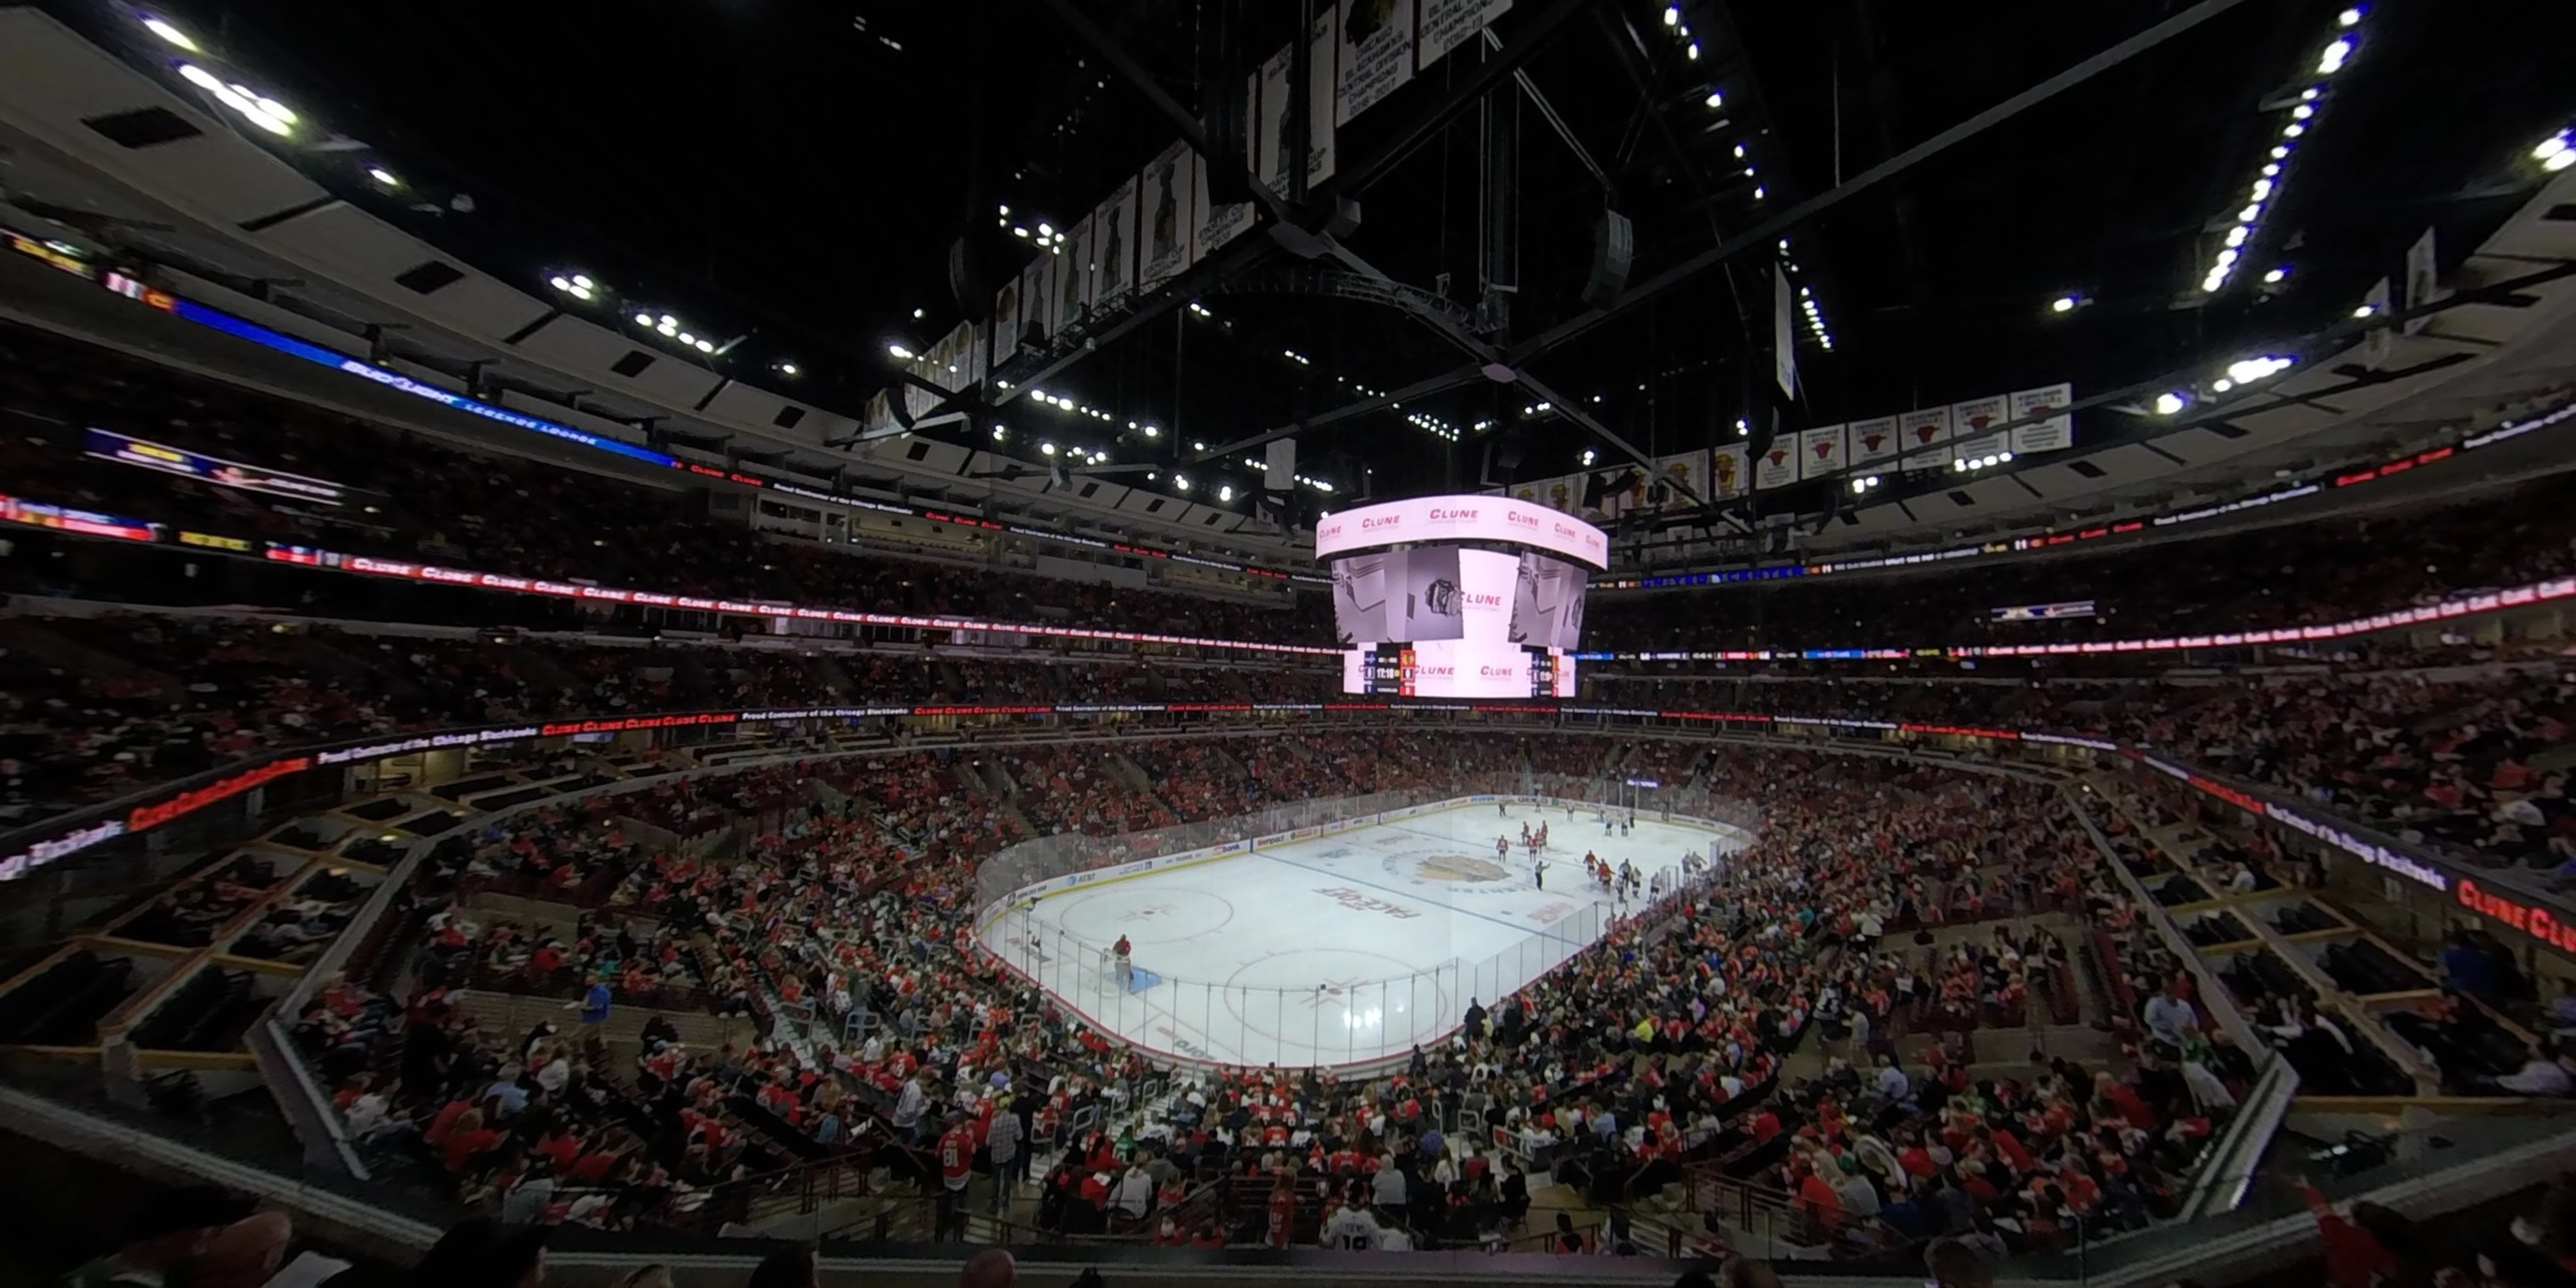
1459 596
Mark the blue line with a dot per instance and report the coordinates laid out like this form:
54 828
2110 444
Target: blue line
1533 932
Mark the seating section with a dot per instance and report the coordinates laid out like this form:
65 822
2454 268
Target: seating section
207 1013
63 1005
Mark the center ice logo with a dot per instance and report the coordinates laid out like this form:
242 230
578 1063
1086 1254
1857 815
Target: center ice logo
1461 867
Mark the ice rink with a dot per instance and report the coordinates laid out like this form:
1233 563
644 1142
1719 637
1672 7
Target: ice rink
1342 949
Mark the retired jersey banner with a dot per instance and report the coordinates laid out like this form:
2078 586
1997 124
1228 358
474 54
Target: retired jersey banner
1972 432
1729 474
1820 451
1447 24
1114 248
1873 441
1165 191
2053 434
1376 54
1918 433
1777 466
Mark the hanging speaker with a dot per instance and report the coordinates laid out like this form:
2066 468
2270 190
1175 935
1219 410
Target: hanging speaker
1614 249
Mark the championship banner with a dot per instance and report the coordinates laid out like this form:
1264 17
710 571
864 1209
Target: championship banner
1219 224
1376 54
1447 24
1969 436
1270 161
1073 278
1690 470
1917 432
1006 321
1820 451
1729 476
1270 122
1037 305
1778 465
2378 343
1873 441
2423 281
2055 434
1563 495
1323 46
1165 190
1114 248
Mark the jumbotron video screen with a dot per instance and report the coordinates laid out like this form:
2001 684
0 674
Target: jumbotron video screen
1455 621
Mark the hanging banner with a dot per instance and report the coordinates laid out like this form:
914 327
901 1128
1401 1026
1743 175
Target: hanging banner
1072 278
1778 464
1037 306
1969 437
1323 50
1447 24
1219 224
1377 54
1006 321
2423 281
1164 191
1690 470
1918 433
1728 475
1820 451
1873 441
2379 342
1270 122
1784 351
1114 249
2055 434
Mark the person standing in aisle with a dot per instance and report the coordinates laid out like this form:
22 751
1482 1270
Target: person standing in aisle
1002 1141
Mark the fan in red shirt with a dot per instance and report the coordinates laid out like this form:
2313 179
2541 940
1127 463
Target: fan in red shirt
1283 1212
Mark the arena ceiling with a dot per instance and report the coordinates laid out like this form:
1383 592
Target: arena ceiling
793 176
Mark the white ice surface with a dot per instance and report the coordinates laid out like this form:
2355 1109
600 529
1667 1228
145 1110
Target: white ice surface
1344 949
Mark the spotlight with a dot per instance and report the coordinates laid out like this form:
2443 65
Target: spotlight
1225 493
1672 15
2365 311
787 369
169 33
2276 276
384 176
2169 404
2063 304
2349 17
1047 448
1716 99
643 319
2332 60
895 349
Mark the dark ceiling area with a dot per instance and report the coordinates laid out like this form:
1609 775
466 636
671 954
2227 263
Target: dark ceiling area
795 172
